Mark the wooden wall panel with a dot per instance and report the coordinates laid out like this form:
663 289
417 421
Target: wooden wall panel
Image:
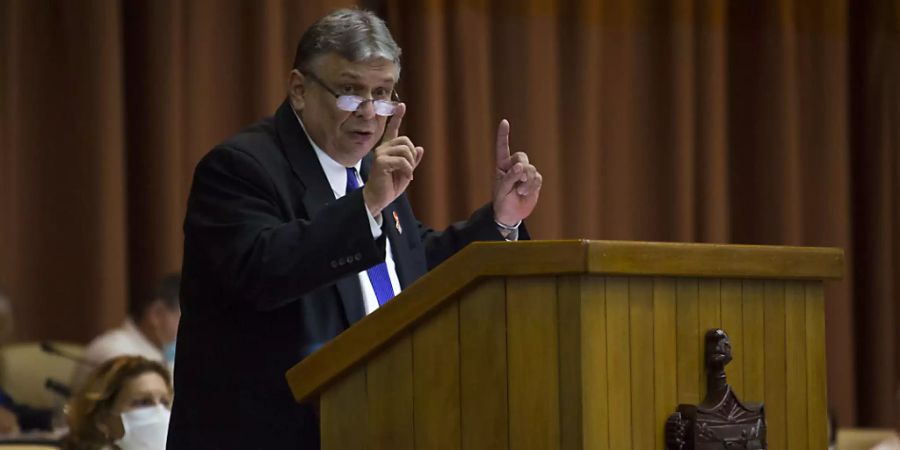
775 373
795 364
618 362
665 366
815 365
595 376
643 413
733 324
341 431
389 383
753 292
690 360
709 317
483 370
436 389
571 393
533 352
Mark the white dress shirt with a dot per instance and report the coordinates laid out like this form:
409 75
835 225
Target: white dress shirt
337 178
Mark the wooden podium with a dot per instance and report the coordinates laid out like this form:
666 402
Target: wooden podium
576 345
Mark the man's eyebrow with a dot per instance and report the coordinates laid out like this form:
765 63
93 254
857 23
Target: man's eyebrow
354 76
351 75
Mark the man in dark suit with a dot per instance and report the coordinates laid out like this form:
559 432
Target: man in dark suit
298 226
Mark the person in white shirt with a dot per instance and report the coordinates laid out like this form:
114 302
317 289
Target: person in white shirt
148 331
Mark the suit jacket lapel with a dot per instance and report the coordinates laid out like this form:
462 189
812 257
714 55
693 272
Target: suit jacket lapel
303 160
306 167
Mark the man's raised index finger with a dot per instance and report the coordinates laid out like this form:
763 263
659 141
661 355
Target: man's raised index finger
393 126
503 145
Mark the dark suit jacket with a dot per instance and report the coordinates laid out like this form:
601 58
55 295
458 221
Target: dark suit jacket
270 275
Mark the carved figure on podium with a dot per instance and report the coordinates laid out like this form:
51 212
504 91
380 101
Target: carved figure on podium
721 421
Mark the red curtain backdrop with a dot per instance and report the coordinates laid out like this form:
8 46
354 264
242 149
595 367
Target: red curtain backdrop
771 122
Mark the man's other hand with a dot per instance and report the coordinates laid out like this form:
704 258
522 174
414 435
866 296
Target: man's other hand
517 183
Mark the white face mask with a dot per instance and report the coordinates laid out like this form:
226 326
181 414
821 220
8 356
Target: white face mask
145 428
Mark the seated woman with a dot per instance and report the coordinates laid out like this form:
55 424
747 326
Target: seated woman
123 405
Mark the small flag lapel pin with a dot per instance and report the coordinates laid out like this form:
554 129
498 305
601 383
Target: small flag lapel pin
397 223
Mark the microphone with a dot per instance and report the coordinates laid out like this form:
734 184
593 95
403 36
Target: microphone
50 348
58 388
55 386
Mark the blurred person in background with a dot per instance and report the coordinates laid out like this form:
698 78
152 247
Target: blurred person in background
123 405
16 417
148 331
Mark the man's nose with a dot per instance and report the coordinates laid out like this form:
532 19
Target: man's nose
366 109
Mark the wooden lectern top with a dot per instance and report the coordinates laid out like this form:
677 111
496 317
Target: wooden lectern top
530 258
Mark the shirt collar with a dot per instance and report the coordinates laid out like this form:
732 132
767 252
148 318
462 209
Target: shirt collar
334 171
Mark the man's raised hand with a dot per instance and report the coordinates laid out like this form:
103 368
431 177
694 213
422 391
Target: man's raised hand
392 168
517 183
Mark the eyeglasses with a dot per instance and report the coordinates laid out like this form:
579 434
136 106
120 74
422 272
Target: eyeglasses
352 103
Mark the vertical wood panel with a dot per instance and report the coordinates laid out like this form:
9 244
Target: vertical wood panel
595 376
732 323
340 431
795 364
690 363
389 384
436 380
483 375
570 363
665 368
533 352
815 365
775 376
754 340
709 312
618 362
643 423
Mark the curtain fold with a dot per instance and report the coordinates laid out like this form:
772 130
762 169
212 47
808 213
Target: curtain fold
65 247
874 117
774 122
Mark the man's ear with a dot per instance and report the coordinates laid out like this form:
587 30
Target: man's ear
297 89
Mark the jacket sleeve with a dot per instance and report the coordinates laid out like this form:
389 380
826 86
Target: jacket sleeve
440 245
239 236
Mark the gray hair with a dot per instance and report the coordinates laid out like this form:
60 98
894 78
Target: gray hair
355 34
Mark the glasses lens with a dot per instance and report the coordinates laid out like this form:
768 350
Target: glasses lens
385 108
349 103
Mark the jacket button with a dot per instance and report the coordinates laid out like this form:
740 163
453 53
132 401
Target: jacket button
334 264
358 256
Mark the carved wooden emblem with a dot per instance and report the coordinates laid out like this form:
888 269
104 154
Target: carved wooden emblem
722 421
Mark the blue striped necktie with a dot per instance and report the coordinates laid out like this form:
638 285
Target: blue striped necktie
378 274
